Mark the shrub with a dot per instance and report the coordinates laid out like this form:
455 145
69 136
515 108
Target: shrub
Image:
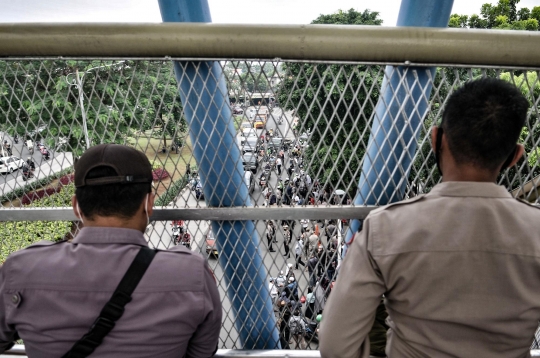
172 191
19 234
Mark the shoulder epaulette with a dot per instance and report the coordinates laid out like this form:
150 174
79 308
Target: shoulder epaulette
536 206
399 203
44 243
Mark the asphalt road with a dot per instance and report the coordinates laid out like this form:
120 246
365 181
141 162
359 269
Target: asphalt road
21 151
160 235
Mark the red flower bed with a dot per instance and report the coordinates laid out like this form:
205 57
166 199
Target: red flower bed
67 179
30 197
159 174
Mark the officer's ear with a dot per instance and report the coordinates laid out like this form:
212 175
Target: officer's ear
518 153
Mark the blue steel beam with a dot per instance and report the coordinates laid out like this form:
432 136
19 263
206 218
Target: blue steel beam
399 113
204 96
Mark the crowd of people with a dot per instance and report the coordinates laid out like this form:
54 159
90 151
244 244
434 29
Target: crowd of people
299 292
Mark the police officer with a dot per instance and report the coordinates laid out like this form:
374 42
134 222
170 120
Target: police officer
458 267
52 294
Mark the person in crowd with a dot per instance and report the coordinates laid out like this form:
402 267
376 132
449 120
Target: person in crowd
278 165
289 271
270 235
331 229
75 298
304 225
310 304
312 243
280 280
273 290
323 261
283 322
31 164
313 262
297 328
484 243
286 243
292 289
298 247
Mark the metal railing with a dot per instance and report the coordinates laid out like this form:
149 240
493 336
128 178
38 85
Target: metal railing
317 87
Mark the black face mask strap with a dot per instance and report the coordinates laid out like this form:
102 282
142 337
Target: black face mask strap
438 149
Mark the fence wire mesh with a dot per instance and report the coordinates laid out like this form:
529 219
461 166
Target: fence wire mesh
301 129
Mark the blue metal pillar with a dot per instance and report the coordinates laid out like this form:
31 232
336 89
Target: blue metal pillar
204 96
399 113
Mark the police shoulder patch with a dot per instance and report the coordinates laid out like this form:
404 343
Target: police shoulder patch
399 203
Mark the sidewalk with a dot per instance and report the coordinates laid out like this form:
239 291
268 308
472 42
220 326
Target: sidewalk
44 168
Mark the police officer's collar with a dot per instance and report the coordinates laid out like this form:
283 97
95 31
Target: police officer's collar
470 189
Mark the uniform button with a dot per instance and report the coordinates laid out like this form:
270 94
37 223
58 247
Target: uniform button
15 299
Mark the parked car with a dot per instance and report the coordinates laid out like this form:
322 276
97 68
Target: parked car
249 160
211 249
9 164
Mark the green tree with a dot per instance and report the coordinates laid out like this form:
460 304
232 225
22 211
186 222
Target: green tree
503 16
118 97
351 17
335 103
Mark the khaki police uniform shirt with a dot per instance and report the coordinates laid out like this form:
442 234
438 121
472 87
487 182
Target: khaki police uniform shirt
460 272
50 294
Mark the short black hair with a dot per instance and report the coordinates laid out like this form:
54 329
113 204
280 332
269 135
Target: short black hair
119 200
482 122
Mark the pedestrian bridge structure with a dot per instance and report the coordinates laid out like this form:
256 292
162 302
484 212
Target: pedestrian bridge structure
354 106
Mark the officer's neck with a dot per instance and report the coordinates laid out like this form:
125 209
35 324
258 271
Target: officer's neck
134 223
453 171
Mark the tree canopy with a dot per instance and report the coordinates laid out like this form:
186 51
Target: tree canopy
504 16
117 96
335 102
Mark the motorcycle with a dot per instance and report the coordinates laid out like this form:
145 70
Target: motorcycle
7 148
186 240
44 152
199 193
263 181
267 171
280 120
27 172
16 139
176 234
272 160
183 239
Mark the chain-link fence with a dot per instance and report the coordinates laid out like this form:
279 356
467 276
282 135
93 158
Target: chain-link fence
297 134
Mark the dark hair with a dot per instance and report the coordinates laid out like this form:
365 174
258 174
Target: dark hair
482 122
120 200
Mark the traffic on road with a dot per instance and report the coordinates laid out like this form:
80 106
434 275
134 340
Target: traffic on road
302 255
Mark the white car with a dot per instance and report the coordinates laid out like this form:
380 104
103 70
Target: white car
249 133
9 164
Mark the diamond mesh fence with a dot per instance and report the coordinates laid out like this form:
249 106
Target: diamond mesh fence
272 134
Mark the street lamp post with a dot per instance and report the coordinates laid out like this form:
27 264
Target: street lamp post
83 112
79 83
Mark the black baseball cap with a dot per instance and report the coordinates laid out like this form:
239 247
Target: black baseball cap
131 165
